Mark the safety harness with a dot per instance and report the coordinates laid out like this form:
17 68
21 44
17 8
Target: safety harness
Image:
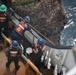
3 17
20 28
13 52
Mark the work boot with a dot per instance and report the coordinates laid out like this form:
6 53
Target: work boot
15 70
18 67
7 66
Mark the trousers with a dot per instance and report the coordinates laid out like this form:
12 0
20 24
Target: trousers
13 59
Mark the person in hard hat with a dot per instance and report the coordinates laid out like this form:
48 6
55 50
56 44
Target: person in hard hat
3 21
17 32
13 54
38 50
27 19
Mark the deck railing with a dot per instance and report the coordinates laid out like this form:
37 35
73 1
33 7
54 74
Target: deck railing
28 62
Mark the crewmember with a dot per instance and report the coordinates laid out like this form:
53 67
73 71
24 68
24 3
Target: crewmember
38 50
13 53
3 21
18 32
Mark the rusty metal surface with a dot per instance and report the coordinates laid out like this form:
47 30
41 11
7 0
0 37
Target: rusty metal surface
5 71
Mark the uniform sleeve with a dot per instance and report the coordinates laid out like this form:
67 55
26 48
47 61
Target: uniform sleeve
35 49
28 28
43 48
7 51
8 17
20 51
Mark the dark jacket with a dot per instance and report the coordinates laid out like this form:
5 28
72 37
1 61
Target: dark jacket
3 20
13 52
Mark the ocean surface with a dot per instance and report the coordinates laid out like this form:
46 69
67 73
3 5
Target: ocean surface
68 35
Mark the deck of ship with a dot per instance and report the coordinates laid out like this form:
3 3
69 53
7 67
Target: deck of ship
21 71
5 71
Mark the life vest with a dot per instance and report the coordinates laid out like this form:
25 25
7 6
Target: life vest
13 53
41 48
3 17
20 28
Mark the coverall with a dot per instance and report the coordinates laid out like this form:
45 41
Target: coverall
39 51
13 54
18 32
4 24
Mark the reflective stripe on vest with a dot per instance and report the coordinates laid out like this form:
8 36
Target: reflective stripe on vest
13 53
2 17
21 26
20 29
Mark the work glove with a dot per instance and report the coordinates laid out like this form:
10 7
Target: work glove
28 28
